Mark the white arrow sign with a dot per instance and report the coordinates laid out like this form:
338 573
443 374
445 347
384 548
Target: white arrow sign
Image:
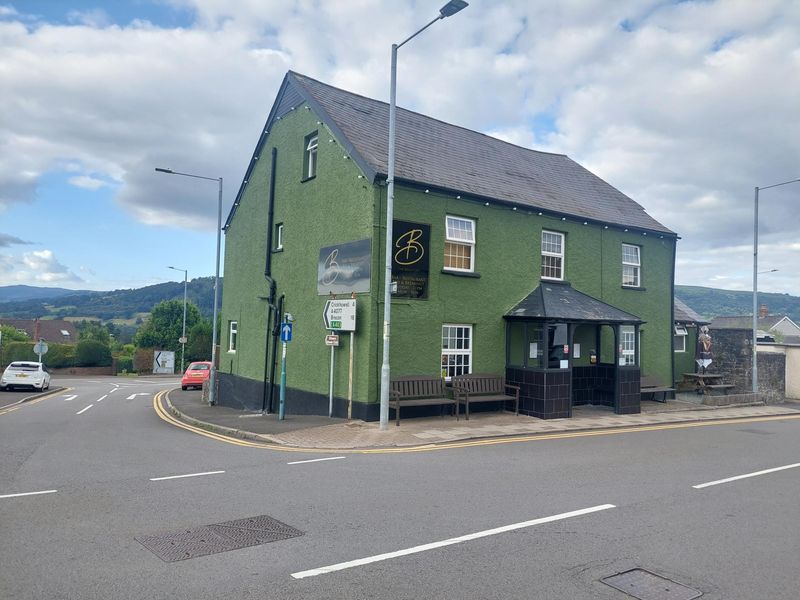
340 315
132 396
68 398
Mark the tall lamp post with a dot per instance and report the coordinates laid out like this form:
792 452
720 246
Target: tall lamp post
183 334
755 279
449 9
212 393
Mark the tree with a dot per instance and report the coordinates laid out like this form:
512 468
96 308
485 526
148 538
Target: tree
93 330
165 326
91 353
10 334
199 346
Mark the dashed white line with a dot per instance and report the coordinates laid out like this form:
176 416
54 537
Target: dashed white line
83 410
745 476
451 541
313 460
28 494
101 398
182 476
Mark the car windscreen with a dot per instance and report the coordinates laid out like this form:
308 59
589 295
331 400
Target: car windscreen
199 368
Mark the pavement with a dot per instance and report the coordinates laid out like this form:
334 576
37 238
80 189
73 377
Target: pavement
324 433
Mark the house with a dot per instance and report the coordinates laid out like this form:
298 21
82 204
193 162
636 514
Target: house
770 328
506 260
55 331
687 324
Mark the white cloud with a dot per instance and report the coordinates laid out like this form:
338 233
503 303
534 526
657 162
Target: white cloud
35 268
86 182
685 108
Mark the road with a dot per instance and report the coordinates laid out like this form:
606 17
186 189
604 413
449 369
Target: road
538 519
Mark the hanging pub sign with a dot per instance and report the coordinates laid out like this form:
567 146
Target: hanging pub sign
344 268
410 259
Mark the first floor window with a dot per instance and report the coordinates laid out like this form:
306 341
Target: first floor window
679 339
456 350
627 342
233 334
310 156
279 236
631 266
459 244
552 255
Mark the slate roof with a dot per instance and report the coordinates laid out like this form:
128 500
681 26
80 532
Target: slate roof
559 301
436 154
46 329
684 314
746 322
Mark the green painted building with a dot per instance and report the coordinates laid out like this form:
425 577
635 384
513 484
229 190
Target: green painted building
507 261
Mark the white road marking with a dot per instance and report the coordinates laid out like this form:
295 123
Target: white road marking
28 494
745 476
83 410
182 476
302 462
114 390
451 541
132 396
101 398
68 398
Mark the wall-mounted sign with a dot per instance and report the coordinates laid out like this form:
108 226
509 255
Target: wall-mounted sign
410 260
344 268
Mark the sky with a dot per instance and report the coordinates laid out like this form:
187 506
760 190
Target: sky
685 106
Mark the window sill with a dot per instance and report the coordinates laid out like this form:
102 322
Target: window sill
471 274
634 288
308 178
231 351
276 250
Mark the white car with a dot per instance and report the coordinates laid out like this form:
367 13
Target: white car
25 374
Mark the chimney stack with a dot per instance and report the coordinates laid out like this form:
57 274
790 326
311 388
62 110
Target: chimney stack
763 311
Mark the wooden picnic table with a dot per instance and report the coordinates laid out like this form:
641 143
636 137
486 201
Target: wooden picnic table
705 383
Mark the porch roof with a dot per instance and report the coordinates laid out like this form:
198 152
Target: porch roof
559 301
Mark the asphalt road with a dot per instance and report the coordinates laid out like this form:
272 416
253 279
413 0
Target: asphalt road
551 518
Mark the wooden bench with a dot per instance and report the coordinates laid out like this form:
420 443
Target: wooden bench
418 390
653 386
479 387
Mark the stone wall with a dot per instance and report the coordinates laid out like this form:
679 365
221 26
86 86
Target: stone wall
732 359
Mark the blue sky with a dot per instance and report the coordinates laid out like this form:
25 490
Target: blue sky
684 106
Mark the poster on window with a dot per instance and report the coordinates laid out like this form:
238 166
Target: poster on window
344 268
410 259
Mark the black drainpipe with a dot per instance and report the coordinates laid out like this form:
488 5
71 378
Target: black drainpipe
271 308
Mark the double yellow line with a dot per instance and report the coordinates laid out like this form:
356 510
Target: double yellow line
166 416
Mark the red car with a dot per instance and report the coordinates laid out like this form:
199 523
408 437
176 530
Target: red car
196 374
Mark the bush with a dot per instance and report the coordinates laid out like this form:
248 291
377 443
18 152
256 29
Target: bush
60 356
91 353
17 351
143 360
125 363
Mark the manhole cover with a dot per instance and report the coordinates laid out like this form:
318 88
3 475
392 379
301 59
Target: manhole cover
649 586
183 544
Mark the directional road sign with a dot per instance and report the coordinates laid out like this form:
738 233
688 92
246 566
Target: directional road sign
40 347
286 332
340 315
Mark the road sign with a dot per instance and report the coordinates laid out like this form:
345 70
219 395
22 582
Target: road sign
40 348
331 340
286 332
182 340
340 315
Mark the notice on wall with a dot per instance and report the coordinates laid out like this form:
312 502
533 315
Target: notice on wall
576 350
533 350
344 268
564 364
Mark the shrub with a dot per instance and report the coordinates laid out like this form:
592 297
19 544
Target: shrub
143 360
91 353
125 363
59 356
17 351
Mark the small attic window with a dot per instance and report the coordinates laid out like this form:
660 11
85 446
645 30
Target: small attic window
310 156
680 330
65 333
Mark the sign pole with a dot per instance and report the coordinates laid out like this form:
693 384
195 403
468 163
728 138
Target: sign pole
282 405
330 385
350 379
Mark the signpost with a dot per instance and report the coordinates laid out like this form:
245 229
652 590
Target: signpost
40 348
340 315
286 337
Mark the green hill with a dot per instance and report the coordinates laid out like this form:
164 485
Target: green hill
712 302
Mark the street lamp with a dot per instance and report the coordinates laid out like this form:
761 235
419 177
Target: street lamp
449 9
183 335
755 279
212 393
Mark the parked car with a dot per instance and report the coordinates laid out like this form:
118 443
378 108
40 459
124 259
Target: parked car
25 374
196 373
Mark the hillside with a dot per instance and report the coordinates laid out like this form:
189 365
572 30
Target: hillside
712 302
11 293
117 304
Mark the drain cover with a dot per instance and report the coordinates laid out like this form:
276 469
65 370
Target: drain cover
183 544
649 586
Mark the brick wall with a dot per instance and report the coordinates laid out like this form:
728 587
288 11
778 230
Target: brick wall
732 359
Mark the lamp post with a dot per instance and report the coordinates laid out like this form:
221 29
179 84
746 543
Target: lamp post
755 279
212 393
183 334
449 9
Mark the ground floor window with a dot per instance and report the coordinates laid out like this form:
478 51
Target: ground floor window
456 350
679 339
627 343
